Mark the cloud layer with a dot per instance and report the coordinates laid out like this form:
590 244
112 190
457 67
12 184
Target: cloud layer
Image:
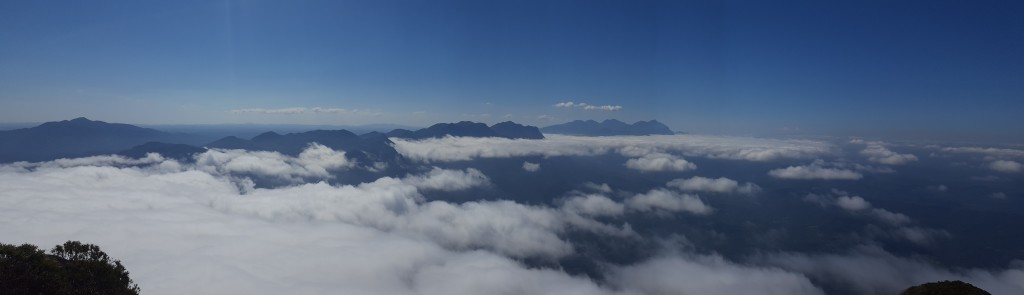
815 170
206 228
717 147
878 153
716 185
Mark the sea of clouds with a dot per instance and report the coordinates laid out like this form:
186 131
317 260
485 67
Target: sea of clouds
205 228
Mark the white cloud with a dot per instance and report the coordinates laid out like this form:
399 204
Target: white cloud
184 230
718 185
853 203
919 235
314 163
448 180
718 147
878 153
987 151
603 108
585 106
660 162
890 217
815 171
871 270
709 275
601 188
1006 166
898 221
593 205
662 200
531 167
177 234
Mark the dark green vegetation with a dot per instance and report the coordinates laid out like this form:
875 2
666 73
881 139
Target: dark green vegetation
945 288
71 268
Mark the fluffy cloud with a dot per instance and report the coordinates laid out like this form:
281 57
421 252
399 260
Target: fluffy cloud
531 167
1006 166
659 162
662 200
448 180
815 171
878 153
709 275
986 151
890 217
717 185
853 203
871 270
585 106
314 163
717 147
898 221
192 228
174 242
593 205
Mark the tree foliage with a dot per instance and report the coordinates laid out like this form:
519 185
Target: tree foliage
71 268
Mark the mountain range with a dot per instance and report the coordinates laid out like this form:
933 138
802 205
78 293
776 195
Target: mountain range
608 128
76 138
83 137
508 129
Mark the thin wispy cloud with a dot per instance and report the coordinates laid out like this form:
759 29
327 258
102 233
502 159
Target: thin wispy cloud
301 110
589 107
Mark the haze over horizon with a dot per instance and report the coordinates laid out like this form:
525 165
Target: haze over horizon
941 70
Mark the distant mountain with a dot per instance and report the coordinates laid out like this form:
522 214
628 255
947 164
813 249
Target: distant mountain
470 129
512 130
177 151
76 138
367 148
608 127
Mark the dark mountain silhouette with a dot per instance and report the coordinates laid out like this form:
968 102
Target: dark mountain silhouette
76 138
367 148
177 151
945 288
608 127
470 129
509 129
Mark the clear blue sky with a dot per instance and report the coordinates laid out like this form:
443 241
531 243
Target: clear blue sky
873 68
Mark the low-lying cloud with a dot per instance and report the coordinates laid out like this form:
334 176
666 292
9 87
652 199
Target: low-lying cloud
659 162
717 147
716 185
878 153
815 170
1006 166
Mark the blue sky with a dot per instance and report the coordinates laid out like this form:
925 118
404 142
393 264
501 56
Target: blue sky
928 69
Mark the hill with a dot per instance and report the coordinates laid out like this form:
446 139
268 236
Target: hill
76 138
608 128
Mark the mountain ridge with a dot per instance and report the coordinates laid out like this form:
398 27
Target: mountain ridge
610 127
